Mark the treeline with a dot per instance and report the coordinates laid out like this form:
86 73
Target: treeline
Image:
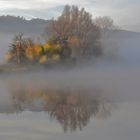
73 36
26 51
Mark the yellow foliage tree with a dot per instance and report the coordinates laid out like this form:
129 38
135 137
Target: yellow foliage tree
38 50
32 52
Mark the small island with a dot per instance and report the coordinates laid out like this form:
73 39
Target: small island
74 37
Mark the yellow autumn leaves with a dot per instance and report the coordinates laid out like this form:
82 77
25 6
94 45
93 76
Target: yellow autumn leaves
38 53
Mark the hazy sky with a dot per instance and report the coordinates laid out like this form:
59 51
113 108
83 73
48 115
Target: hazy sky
124 12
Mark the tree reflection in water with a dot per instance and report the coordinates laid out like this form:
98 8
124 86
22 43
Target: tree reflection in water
72 108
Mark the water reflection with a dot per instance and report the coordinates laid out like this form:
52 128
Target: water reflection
71 107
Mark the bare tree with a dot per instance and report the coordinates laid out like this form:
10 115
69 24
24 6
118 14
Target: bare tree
107 29
77 23
106 25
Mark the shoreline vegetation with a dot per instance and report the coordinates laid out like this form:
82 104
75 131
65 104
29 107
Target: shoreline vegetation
70 39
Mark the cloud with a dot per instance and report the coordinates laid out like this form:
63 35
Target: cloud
33 13
37 4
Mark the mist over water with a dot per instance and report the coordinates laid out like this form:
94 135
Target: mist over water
43 105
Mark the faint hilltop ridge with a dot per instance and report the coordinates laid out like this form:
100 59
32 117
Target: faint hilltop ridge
124 34
12 24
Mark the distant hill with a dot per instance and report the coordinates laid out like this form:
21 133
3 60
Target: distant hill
124 34
11 24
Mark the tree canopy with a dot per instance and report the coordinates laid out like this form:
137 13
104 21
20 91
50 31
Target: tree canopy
74 35
77 26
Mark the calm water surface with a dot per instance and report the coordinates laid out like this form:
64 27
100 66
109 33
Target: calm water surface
86 104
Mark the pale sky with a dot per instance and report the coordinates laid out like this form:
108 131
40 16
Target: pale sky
124 12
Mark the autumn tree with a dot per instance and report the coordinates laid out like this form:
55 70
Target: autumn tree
76 25
26 51
17 49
